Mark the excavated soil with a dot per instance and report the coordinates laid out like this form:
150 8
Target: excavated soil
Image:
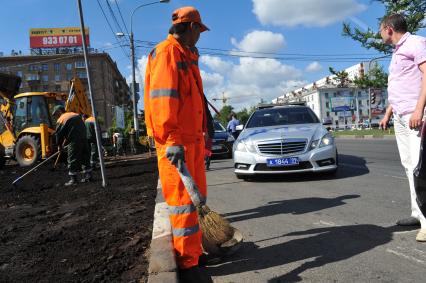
84 233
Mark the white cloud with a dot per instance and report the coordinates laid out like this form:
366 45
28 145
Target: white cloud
305 12
260 41
245 82
314 67
248 80
216 64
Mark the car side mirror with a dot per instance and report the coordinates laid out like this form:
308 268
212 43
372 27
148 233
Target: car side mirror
239 127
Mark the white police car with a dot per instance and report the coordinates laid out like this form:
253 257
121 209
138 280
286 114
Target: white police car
284 139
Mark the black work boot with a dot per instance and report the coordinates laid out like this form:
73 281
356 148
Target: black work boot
194 274
87 177
207 162
72 181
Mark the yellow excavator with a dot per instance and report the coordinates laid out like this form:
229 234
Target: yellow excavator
26 123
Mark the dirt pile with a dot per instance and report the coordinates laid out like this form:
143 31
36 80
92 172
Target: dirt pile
50 233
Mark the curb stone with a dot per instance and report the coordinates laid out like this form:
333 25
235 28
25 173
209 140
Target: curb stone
162 262
375 137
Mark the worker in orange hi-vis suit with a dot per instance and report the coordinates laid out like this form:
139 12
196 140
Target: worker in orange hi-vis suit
177 117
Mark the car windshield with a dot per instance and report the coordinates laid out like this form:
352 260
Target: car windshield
282 116
218 127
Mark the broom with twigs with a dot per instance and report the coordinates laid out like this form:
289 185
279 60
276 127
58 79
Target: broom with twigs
216 230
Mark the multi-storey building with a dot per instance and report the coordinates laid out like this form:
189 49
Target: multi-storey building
328 100
53 73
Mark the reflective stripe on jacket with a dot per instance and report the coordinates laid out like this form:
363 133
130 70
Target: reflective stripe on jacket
174 100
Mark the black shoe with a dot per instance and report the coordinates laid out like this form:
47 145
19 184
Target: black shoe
194 274
72 181
410 221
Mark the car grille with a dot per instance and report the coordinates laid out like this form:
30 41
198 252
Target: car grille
283 147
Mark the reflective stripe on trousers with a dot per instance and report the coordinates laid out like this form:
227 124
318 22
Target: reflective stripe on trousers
183 215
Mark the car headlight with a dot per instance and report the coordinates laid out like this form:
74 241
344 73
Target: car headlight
244 147
240 147
230 138
327 139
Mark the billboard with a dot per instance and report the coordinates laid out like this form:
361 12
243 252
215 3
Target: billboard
119 117
344 103
57 37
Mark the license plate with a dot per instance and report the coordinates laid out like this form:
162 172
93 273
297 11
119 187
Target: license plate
216 147
280 162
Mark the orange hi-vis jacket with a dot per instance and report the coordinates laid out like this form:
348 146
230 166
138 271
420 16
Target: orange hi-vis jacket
174 99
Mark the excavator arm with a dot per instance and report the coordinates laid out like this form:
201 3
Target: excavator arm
77 101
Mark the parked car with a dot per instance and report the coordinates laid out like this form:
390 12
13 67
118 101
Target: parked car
222 141
284 139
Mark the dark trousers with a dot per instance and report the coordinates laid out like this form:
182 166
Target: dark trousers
78 157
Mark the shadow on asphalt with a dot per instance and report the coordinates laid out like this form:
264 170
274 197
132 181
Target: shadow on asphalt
291 206
320 245
350 166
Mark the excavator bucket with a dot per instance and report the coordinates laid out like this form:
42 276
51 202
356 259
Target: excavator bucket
77 101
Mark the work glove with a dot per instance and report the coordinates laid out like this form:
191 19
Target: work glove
176 155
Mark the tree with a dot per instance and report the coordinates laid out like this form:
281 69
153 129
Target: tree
376 78
413 10
342 77
225 114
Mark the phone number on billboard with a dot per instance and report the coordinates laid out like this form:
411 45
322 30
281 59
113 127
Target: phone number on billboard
54 40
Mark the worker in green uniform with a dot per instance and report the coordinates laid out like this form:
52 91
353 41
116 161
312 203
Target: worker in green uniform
70 127
89 122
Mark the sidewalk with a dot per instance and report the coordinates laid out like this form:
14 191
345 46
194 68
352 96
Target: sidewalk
162 263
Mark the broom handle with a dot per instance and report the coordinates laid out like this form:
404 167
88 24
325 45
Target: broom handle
192 189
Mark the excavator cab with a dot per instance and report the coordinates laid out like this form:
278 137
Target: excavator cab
33 125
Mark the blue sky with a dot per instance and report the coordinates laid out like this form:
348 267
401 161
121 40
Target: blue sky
271 28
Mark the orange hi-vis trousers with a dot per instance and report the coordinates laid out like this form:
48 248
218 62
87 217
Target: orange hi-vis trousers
183 215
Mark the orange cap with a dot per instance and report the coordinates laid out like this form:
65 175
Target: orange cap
187 15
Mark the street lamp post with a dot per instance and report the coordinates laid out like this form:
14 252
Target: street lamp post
132 55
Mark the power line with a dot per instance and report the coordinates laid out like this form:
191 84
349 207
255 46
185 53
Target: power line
121 15
117 24
300 58
112 30
153 43
114 18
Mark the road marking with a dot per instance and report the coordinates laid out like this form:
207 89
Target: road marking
405 232
397 177
400 254
325 223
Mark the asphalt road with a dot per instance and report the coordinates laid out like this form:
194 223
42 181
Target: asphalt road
313 228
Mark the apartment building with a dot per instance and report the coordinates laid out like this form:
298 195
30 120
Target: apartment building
53 73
